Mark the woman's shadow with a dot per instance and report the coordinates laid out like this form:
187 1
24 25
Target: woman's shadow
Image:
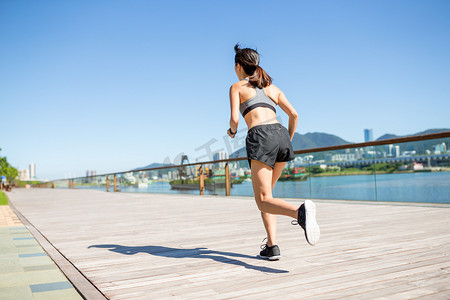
201 253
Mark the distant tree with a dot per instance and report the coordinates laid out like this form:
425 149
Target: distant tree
315 169
384 167
7 170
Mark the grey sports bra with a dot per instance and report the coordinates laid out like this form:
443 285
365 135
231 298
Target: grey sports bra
259 100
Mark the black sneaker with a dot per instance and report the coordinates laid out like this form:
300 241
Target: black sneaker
307 220
270 253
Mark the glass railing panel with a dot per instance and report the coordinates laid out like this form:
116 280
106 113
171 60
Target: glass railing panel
215 179
61 184
91 182
168 180
162 181
342 174
152 181
294 180
414 171
241 180
99 182
147 182
126 182
120 182
77 182
180 180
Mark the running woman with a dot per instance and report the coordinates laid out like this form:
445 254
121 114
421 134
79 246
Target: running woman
268 146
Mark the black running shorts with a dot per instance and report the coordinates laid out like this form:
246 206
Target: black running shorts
269 143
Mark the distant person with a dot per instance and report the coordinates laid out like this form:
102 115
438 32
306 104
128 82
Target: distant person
268 146
2 182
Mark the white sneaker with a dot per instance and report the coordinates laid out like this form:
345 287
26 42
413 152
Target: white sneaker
307 220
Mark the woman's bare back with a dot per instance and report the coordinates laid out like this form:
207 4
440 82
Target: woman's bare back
259 115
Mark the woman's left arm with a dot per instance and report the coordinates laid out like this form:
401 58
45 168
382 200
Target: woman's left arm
234 105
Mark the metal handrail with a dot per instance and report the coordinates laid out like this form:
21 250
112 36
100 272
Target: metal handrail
406 139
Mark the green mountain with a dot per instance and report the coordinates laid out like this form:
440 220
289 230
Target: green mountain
429 131
420 146
153 165
316 140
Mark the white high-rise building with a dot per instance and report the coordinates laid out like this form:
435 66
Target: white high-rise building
32 171
389 149
396 151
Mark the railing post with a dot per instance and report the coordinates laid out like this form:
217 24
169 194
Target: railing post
201 180
115 183
107 183
227 180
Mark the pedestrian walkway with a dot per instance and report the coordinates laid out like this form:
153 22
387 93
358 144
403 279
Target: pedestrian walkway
26 272
156 246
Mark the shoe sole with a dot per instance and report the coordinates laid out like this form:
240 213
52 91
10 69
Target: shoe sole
276 257
312 230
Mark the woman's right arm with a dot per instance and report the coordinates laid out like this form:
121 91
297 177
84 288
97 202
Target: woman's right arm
287 107
234 105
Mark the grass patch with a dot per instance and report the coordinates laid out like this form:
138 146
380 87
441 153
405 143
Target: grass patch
3 199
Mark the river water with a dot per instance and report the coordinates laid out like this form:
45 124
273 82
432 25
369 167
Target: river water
406 187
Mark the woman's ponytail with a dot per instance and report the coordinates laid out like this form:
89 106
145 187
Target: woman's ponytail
260 78
249 61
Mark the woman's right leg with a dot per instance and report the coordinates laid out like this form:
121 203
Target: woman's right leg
269 220
262 188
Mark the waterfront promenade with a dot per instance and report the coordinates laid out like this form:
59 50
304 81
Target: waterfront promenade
154 246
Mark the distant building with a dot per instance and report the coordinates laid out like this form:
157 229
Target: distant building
32 168
396 152
343 157
359 153
368 135
91 173
219 156
369 154
389 149
409 153
129 178
240 172
24 174
439 148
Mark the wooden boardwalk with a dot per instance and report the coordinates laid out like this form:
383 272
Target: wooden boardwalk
154 246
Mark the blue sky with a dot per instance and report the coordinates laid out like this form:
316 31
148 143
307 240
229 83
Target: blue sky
114 85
